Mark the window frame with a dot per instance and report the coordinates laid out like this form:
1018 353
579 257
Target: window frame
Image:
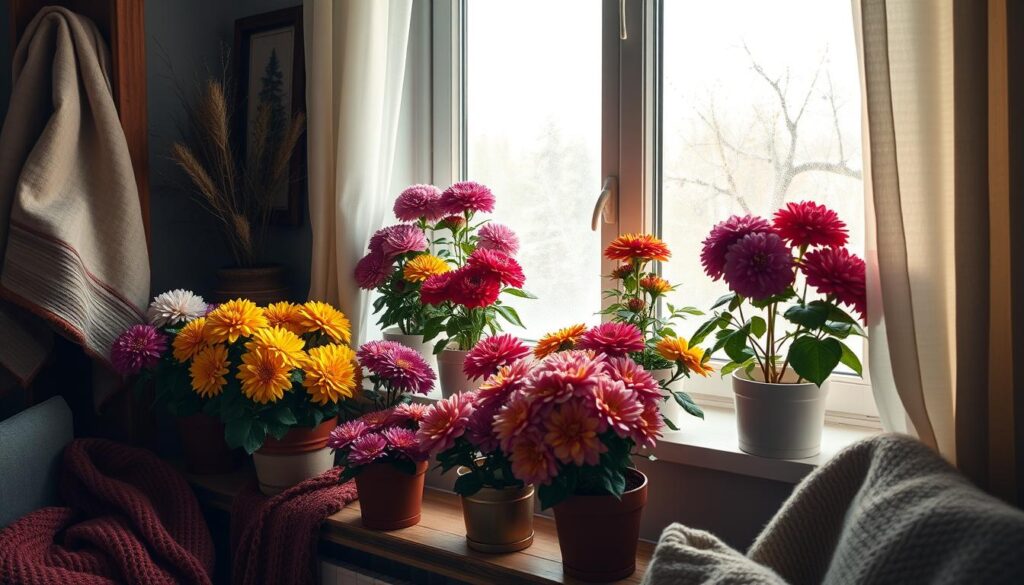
630 120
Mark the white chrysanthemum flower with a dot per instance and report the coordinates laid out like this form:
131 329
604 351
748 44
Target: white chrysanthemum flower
175 307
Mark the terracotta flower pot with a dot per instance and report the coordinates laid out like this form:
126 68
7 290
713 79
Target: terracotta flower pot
449 369
262 285
424 348
298 456
498 520
781 421
598 534
203 445
389 498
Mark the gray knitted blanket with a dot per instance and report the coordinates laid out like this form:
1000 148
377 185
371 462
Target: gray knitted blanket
885 510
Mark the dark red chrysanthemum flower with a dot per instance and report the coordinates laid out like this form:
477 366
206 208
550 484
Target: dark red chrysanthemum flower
473 287
759 265
724 235
837 272
809 224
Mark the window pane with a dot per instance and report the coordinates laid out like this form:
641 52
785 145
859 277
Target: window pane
533 124
761 106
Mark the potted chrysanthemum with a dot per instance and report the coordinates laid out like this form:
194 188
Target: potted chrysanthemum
640 299
459 431
380 450
787 343
571 430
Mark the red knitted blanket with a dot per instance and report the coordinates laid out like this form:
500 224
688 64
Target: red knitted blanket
130 518
275 539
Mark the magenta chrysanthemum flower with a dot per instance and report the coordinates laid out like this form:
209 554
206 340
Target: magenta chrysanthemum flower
343 434
375 419
647 428
612 339
411 412
480 429
759 266
508 271
617 408
492 353
837 272
405 442
419 202
809 224
140 346
496 389
397 366
467 197
500 238
565 375
635 378
723 236
398 239
367 448
373 270
445 421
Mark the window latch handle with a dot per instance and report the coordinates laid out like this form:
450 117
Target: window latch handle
607 206
623 32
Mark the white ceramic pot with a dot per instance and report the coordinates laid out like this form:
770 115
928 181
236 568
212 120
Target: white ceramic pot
449 369
670 409
277 473
424 348
780 421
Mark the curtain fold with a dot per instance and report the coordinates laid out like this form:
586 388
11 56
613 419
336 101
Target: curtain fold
355 54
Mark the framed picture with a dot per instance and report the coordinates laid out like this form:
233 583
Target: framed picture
270 67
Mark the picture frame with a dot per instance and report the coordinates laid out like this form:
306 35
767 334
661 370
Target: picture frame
269 62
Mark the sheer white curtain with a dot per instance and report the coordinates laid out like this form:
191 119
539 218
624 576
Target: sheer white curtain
355 70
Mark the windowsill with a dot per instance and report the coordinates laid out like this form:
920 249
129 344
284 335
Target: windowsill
712 444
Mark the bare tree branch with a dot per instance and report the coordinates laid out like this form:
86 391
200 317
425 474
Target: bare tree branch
716 188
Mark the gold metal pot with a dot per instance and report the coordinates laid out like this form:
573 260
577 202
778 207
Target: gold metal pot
498 521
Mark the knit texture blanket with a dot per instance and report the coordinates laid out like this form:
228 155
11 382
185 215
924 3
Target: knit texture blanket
130 518
72 245
275 539
884 510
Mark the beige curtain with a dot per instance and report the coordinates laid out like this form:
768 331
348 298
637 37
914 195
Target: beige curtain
355 63
938 301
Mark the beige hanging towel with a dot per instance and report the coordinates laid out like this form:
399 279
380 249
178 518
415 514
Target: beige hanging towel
73 252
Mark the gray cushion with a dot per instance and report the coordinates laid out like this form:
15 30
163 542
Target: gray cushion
31 443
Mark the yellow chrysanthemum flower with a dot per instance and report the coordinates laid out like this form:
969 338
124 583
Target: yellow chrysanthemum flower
560 340
234 319
676 349
655 285
190 340
423 267
318 316
265 376
208 371
284 314
330 373
281 341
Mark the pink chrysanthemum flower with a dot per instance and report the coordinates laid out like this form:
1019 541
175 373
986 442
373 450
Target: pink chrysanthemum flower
613 339
496 389
837 272
140 346
445 421
373 270
404 441
618 409
375 419
571 432
723 236
480 429
511 419
647 428
532 459
500 238
467 197
399 367
419 202
759 266
398 239
508 271
809 224
411 412
367 448
564 375
343 434
493 352
635 378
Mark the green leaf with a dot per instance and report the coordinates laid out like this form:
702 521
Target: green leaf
468 484
850 360
257 434
723 300
812 315
814 359
518 292
704 330
236 431
758 326
613 481
669 423
686 401
736 345
510 315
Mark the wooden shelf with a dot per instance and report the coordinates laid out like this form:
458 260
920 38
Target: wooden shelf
437 544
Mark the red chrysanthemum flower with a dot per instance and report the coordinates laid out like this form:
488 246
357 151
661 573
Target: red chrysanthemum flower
621 271
472 287
373 270
809 224
637 247
445 421
636 304
504 266
419 201
723 236
759 265
837 272
467 197
492 353
613 339
434 290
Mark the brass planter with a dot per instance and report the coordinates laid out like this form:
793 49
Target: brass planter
498 520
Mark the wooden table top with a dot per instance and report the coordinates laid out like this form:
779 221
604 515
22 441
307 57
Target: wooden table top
437 544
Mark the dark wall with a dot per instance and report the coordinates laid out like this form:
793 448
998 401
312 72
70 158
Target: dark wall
5 56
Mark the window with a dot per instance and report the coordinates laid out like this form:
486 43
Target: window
704 110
